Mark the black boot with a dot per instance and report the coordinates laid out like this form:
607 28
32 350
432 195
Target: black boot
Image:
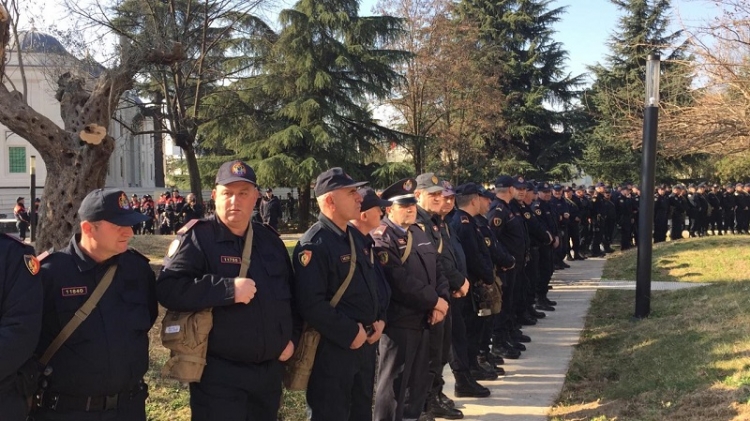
479 372
502 349
536 314
426 416
446 400
485 364
493 359
518 336
438 409
466 387
541 305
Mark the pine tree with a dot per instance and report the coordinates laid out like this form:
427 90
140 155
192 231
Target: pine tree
518 37
326 66
616 99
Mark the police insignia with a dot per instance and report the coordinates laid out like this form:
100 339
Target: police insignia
346 258
123 202
238 169
464 219
487 241
497 221
305 257
538 212
408 185
173 247
434 180
527 215
383 257
32 264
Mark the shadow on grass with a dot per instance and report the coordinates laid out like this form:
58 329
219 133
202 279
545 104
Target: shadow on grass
690 360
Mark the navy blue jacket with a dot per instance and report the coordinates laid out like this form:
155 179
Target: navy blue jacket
108 353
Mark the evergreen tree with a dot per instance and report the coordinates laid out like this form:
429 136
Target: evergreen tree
325 67
517 36
615 101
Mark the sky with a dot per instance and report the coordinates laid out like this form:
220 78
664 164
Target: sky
583 30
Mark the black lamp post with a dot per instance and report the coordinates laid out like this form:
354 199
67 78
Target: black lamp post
32 197
646 209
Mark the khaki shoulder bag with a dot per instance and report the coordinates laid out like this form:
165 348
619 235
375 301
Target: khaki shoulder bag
185 333
299 367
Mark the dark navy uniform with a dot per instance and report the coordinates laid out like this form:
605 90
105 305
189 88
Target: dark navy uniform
341 384
98 372
729 204
20 320
661 217
243 374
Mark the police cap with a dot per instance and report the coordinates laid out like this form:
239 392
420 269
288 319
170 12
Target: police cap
371 200
486 193
545 186
557 187
109 205
334 179
232 171
428 182
448 189
519 182
401 192
504 181
468 189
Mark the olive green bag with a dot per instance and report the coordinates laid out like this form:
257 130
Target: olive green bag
300 365
185 334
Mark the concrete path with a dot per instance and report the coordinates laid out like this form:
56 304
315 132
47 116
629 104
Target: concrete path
533 382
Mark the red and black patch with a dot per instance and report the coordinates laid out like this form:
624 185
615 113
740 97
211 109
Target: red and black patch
32 263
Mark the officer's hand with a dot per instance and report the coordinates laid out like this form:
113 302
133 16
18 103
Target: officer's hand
463 291
556 243
244 290
379 325
360 339
288 352
442 306
435 317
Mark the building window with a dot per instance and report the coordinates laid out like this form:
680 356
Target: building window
17 159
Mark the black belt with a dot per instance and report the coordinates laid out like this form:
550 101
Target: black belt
62 402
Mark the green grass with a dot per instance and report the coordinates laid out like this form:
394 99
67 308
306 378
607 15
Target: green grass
707 259
690 360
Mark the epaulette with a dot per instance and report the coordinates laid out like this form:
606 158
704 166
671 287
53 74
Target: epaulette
138 253
45 254
379 230
187 227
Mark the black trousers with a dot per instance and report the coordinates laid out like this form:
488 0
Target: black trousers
729 220
546 268
133 409
341 383
463 332
505 320
532 277
231 391
441 340
12 406
575 238
626 232
403 374
678 225
660 229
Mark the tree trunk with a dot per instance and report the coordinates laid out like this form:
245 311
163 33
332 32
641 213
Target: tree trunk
194 172
158 152
304 207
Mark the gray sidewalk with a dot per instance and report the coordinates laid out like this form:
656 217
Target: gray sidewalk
534 381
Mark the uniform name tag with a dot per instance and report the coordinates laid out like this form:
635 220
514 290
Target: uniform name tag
346 258
74 291
172 329
234 260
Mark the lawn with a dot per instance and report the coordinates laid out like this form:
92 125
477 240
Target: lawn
690 360
707 259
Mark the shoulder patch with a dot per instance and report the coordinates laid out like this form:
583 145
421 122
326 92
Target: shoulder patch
187 227
383 257
305 257
32 263
497 221
464 219
527 215
487 241
538 212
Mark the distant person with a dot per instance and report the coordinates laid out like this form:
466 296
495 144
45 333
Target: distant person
22 218
270 209
290 206
191 210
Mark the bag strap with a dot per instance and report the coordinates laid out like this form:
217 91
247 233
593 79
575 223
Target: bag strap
349 276
247 251
80 315
409 241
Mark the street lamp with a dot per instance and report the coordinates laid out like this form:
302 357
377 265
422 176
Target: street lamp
32 195
646 209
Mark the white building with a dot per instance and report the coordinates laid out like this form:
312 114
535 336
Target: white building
131 166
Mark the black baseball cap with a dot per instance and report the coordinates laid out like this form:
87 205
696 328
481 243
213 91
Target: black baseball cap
467 189
519 182
109 205
544 187
334 179
401 192
486 193
504 181
429 182
447 188
557 187
370 199
232 171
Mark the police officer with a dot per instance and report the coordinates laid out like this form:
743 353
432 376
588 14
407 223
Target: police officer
543 211
410 264
99 370
661 214
574 224
716 216
253 325
20 320
624 209
729 204
562 209
341 383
